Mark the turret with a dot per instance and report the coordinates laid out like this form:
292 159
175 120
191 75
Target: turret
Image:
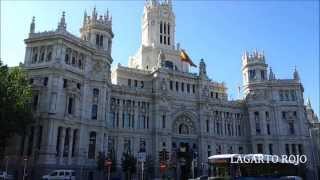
202 69
97 29
62 26
254 68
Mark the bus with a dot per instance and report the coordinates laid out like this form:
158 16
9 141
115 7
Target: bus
252 167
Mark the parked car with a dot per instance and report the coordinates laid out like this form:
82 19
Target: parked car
290 178
62 174
5 176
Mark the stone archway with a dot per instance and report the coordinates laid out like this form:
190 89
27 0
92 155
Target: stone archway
183 125
184 138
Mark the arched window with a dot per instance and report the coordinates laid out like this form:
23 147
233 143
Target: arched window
67 56
183 129
35 55
97 39
101 41
92 145
42 52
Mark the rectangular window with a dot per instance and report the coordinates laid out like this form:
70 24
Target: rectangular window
281 95
35 102
177 86
95 92
293 147
163 121
193 88
293 95
171 85
70 105
268 129
129 82
217 95
260 148
211 94
284 115
287 149
135 83
258 130
94 112
291 128
65 83
169 40
45 81
39 137
160 39
252 74
300 149
188 88
271 149
112 120
207 125
262 75
142 84
164 40
182 87
240 150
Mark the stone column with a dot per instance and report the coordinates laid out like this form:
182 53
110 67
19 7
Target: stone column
70 145
61 147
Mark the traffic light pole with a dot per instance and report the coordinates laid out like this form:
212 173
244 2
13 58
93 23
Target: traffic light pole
142 168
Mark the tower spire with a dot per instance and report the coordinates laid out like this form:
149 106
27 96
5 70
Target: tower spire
271 74
85 17
296 74
308 104
62 26
32 25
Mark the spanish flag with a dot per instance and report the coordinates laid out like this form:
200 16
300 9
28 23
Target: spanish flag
184 57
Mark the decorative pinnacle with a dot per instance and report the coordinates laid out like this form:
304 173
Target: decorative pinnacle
62 24
32 25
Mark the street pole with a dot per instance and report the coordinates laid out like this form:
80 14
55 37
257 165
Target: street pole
24 168
7 163
142 163
192 165
109 167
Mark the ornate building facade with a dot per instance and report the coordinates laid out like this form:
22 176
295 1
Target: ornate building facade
155 103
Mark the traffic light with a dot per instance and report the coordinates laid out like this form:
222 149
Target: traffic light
166 155
161 155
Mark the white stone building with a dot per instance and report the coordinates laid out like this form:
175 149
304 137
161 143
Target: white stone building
155 103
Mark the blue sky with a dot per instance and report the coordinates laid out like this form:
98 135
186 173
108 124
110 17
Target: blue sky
218 31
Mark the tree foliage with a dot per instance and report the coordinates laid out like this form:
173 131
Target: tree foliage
129 165
15 98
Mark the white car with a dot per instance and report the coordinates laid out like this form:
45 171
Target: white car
5 176
60 174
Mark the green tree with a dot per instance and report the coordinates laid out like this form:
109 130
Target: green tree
128 164
15 109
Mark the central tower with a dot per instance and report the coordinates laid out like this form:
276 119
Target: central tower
158 24
157 48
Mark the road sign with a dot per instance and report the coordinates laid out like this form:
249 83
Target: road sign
141 156
107 163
